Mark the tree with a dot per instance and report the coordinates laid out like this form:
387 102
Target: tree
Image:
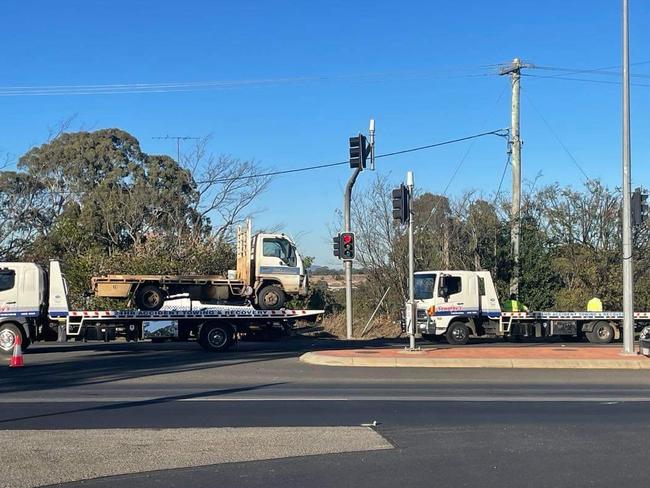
96 201
226 188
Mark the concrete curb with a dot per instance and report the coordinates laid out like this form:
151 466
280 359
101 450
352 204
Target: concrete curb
420 362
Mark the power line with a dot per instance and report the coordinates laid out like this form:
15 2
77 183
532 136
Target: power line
166 87
471 146
503 175
602 70
557 137
498 132
589 80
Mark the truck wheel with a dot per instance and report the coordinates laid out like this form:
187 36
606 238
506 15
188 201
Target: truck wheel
457 334
149 297
216 337
603 333
8 334
271 298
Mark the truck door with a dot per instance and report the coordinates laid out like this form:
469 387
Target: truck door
279 261
457 295
8 291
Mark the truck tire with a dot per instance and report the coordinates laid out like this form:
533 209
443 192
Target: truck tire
271 297
149 297
603 333
216 337
457 334
8 333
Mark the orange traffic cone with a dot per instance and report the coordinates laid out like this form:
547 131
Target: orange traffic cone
16 360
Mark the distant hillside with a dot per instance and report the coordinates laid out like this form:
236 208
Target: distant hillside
337 281
315 270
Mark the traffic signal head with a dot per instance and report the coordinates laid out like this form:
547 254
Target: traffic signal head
358 151
347 246
639 207
337 245
401 204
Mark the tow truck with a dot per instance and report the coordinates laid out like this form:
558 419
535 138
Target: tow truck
457 305
34 304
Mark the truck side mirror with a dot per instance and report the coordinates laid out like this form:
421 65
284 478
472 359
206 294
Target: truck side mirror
443 290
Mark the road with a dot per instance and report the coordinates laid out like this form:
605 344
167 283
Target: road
302 425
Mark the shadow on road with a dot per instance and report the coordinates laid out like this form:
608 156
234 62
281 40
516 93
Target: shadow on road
58 366
152 401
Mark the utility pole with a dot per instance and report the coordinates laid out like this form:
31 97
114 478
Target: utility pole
628 290
414 320
178 143
514 70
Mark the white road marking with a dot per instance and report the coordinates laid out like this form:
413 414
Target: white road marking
344 398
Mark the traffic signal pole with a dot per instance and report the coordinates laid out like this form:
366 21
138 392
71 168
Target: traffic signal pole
348 264
359 153
413 325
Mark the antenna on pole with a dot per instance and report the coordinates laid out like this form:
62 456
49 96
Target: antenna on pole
178 143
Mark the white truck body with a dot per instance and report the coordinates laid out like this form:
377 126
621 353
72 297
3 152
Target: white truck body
458 305
34 303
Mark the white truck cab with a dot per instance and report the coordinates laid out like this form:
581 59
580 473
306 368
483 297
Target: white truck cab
278 261
446 298
22 295
22 289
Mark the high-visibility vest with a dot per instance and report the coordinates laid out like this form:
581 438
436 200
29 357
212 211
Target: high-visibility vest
511 306
594 305
514 306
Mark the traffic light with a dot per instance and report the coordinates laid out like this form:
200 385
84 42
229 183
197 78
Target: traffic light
401 204
639 207
347 246
337 245
358 151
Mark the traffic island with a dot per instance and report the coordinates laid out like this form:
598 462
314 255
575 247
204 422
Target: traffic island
522 357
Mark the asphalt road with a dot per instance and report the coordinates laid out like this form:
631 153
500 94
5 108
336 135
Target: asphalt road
452 427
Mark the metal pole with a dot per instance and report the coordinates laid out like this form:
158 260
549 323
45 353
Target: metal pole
348 264
413 324
516 177
628 290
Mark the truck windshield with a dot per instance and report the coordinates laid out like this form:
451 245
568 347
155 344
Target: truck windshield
424 286
279 248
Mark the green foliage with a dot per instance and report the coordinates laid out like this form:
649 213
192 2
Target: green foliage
318 298
99 204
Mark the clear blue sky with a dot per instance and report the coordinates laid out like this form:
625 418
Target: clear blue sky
429 49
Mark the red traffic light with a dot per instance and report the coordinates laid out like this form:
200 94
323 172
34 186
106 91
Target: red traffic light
347 246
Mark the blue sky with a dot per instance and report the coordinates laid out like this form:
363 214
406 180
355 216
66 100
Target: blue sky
438 84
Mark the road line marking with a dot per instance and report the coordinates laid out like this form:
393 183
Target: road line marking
487 399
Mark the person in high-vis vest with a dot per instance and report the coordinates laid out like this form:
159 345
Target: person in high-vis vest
594 305
514 305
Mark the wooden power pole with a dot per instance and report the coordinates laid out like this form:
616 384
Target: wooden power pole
514 70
